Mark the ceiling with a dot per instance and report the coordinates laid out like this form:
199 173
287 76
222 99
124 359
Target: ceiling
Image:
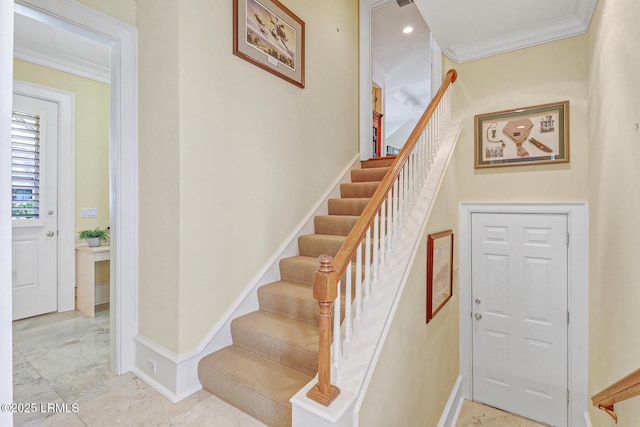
57 48
472 29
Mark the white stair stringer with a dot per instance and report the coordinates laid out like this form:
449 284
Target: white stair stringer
355 373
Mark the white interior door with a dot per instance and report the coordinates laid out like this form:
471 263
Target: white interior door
34 206
519 304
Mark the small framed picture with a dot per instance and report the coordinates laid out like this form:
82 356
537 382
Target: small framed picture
523 136
439 271
270 36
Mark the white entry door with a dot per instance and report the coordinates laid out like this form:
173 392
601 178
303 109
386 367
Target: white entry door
34 206
520 318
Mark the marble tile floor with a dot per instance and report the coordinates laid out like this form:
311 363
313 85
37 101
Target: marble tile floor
63 358
476 414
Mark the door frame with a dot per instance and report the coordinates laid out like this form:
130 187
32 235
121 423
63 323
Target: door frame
123 168
365 79
578 293
66 184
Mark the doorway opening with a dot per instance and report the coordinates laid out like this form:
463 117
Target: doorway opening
399 57
119 38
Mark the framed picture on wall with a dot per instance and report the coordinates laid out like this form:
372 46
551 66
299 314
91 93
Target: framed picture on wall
439 271
270 36
523 136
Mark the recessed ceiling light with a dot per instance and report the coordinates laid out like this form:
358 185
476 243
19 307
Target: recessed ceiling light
407 30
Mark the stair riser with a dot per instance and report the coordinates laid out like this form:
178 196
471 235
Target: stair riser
358 190
292 308
298 272
368 175
377 163
247 381
337 225
247 400
314 246
279 351
347 206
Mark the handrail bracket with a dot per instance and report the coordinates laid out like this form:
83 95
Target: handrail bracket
609 410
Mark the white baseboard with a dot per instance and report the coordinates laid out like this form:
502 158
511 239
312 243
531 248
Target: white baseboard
453 407
176 377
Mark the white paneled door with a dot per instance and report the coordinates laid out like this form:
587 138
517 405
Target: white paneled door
34 206
520 318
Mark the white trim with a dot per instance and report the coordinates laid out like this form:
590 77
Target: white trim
365 80
176 376
121 38
66 184
57 61
6 89
453 407
578 223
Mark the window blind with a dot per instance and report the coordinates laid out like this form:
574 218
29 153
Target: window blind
25 166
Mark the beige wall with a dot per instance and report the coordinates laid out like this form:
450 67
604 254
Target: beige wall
551 72
91 137
231 157
122 10
159 171
420 362
614 176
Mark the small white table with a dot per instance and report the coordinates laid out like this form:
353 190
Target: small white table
86 258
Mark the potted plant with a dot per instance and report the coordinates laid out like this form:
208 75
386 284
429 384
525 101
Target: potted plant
95 237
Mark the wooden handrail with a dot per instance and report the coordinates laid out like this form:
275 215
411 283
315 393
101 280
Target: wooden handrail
621 390
325 283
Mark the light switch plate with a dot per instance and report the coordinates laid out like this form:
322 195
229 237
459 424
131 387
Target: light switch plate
88 212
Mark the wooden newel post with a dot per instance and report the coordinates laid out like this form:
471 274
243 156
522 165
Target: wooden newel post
325 290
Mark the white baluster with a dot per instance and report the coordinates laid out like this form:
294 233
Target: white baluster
337 351
399 199
367 265
391 214
383 233
376 242
358 299
347 314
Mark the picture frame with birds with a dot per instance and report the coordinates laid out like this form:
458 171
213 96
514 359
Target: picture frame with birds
269 35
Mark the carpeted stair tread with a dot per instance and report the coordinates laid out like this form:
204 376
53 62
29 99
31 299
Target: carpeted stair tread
291 300
339 225
281 340
368 174
353 206
351 190
299 269
378 162
246 380
314 245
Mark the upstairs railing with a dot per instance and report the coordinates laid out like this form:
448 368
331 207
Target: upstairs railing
370 242
624 389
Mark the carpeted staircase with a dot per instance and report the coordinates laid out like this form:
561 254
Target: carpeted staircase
275 349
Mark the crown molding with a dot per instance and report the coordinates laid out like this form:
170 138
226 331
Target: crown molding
449 25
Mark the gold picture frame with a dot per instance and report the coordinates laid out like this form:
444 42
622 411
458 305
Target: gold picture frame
270 36
439 271
524 136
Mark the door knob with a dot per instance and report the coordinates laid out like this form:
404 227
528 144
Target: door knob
478 301
50 233
478 316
